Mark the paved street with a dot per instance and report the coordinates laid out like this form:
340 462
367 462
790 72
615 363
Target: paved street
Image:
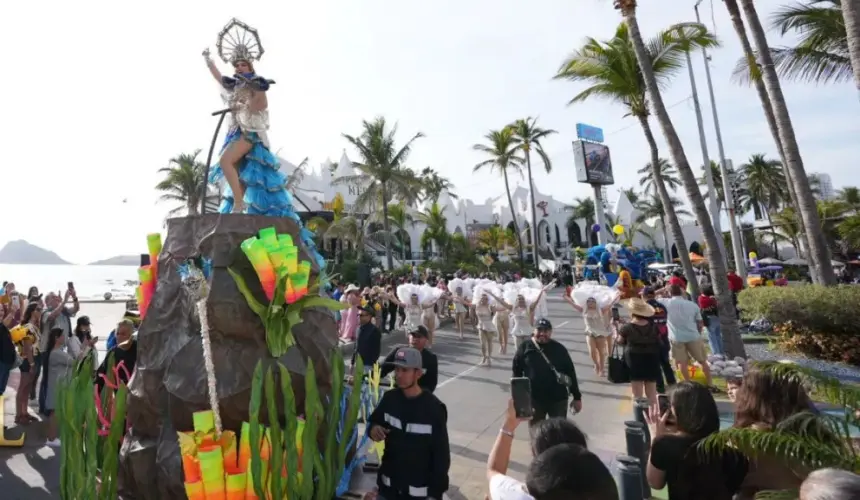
476 397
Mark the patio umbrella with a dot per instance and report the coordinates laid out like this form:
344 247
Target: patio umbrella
768 261
796 262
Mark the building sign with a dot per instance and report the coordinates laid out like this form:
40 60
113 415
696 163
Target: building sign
355 189
593 163
589 133
542 207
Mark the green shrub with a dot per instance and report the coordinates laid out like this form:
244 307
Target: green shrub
815 320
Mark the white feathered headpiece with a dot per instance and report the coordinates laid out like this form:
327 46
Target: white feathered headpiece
456 283
481 289
603 294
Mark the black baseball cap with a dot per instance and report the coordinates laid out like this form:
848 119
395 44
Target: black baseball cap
369 310
84 321
420 331
543 324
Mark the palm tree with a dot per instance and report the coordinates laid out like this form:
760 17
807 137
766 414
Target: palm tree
719 276
785 222
494 239
529 136
183 182
611 69
632 195
435 228
502 150
434 184
819 254
583 208
381 169
849 231
765 184
652 207
821 55
850 195
770 116
400 218
667 173
349 229
851 16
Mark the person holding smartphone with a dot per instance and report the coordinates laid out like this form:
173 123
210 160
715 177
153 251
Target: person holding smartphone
56 315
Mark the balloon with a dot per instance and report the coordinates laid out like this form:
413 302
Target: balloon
618 229
753 255
596 228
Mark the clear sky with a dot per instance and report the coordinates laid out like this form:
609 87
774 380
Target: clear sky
99 95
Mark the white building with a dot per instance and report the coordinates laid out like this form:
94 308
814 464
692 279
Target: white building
315 192
825 185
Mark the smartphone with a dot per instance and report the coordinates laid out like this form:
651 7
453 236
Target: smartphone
16 301
615 315
663 401
521 393
71 286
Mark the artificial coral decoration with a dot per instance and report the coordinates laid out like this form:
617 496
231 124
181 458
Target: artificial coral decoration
195 274
279 468
210 462
286 283
148 275
89 456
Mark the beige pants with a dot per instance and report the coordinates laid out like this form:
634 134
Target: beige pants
487 343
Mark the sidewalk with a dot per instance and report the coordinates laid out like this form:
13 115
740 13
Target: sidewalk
33 471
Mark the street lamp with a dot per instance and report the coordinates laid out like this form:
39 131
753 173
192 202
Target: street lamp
724 170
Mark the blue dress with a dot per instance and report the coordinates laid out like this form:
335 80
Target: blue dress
259 170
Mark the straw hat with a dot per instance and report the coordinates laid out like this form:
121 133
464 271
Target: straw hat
639 307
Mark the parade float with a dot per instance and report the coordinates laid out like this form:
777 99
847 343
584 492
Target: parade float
603 260
238 389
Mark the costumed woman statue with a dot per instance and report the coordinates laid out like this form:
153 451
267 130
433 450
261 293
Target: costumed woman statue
254 183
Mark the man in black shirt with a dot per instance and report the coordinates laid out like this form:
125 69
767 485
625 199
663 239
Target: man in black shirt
368 341
414 425
429 362
547 364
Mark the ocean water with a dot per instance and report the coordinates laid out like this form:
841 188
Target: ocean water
91 282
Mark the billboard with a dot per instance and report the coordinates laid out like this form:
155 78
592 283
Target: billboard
593 164
589 132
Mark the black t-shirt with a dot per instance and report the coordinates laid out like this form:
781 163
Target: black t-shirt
7 348
690 475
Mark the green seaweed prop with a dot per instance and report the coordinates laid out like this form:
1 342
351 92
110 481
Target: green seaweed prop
286 283
298 468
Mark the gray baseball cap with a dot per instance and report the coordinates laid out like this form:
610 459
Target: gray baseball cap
407 357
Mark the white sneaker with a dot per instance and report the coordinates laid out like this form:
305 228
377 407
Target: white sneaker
53 443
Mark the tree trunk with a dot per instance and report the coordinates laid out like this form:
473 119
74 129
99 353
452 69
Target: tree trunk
532 204
719 277
738 23
387 226
851 16
669 210
772 233
819 253
514 220
667 249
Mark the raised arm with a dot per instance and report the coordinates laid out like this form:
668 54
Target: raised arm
572 303
501 302
394 299
212 68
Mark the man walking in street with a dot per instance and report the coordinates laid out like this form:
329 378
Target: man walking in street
414 425
368 342
684 321
547 365
430 363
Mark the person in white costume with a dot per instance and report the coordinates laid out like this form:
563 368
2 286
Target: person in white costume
522 311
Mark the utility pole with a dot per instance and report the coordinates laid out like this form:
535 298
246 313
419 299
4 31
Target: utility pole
599 214
740 263
713 202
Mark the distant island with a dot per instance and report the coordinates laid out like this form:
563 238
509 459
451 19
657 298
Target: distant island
21 252
119 260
